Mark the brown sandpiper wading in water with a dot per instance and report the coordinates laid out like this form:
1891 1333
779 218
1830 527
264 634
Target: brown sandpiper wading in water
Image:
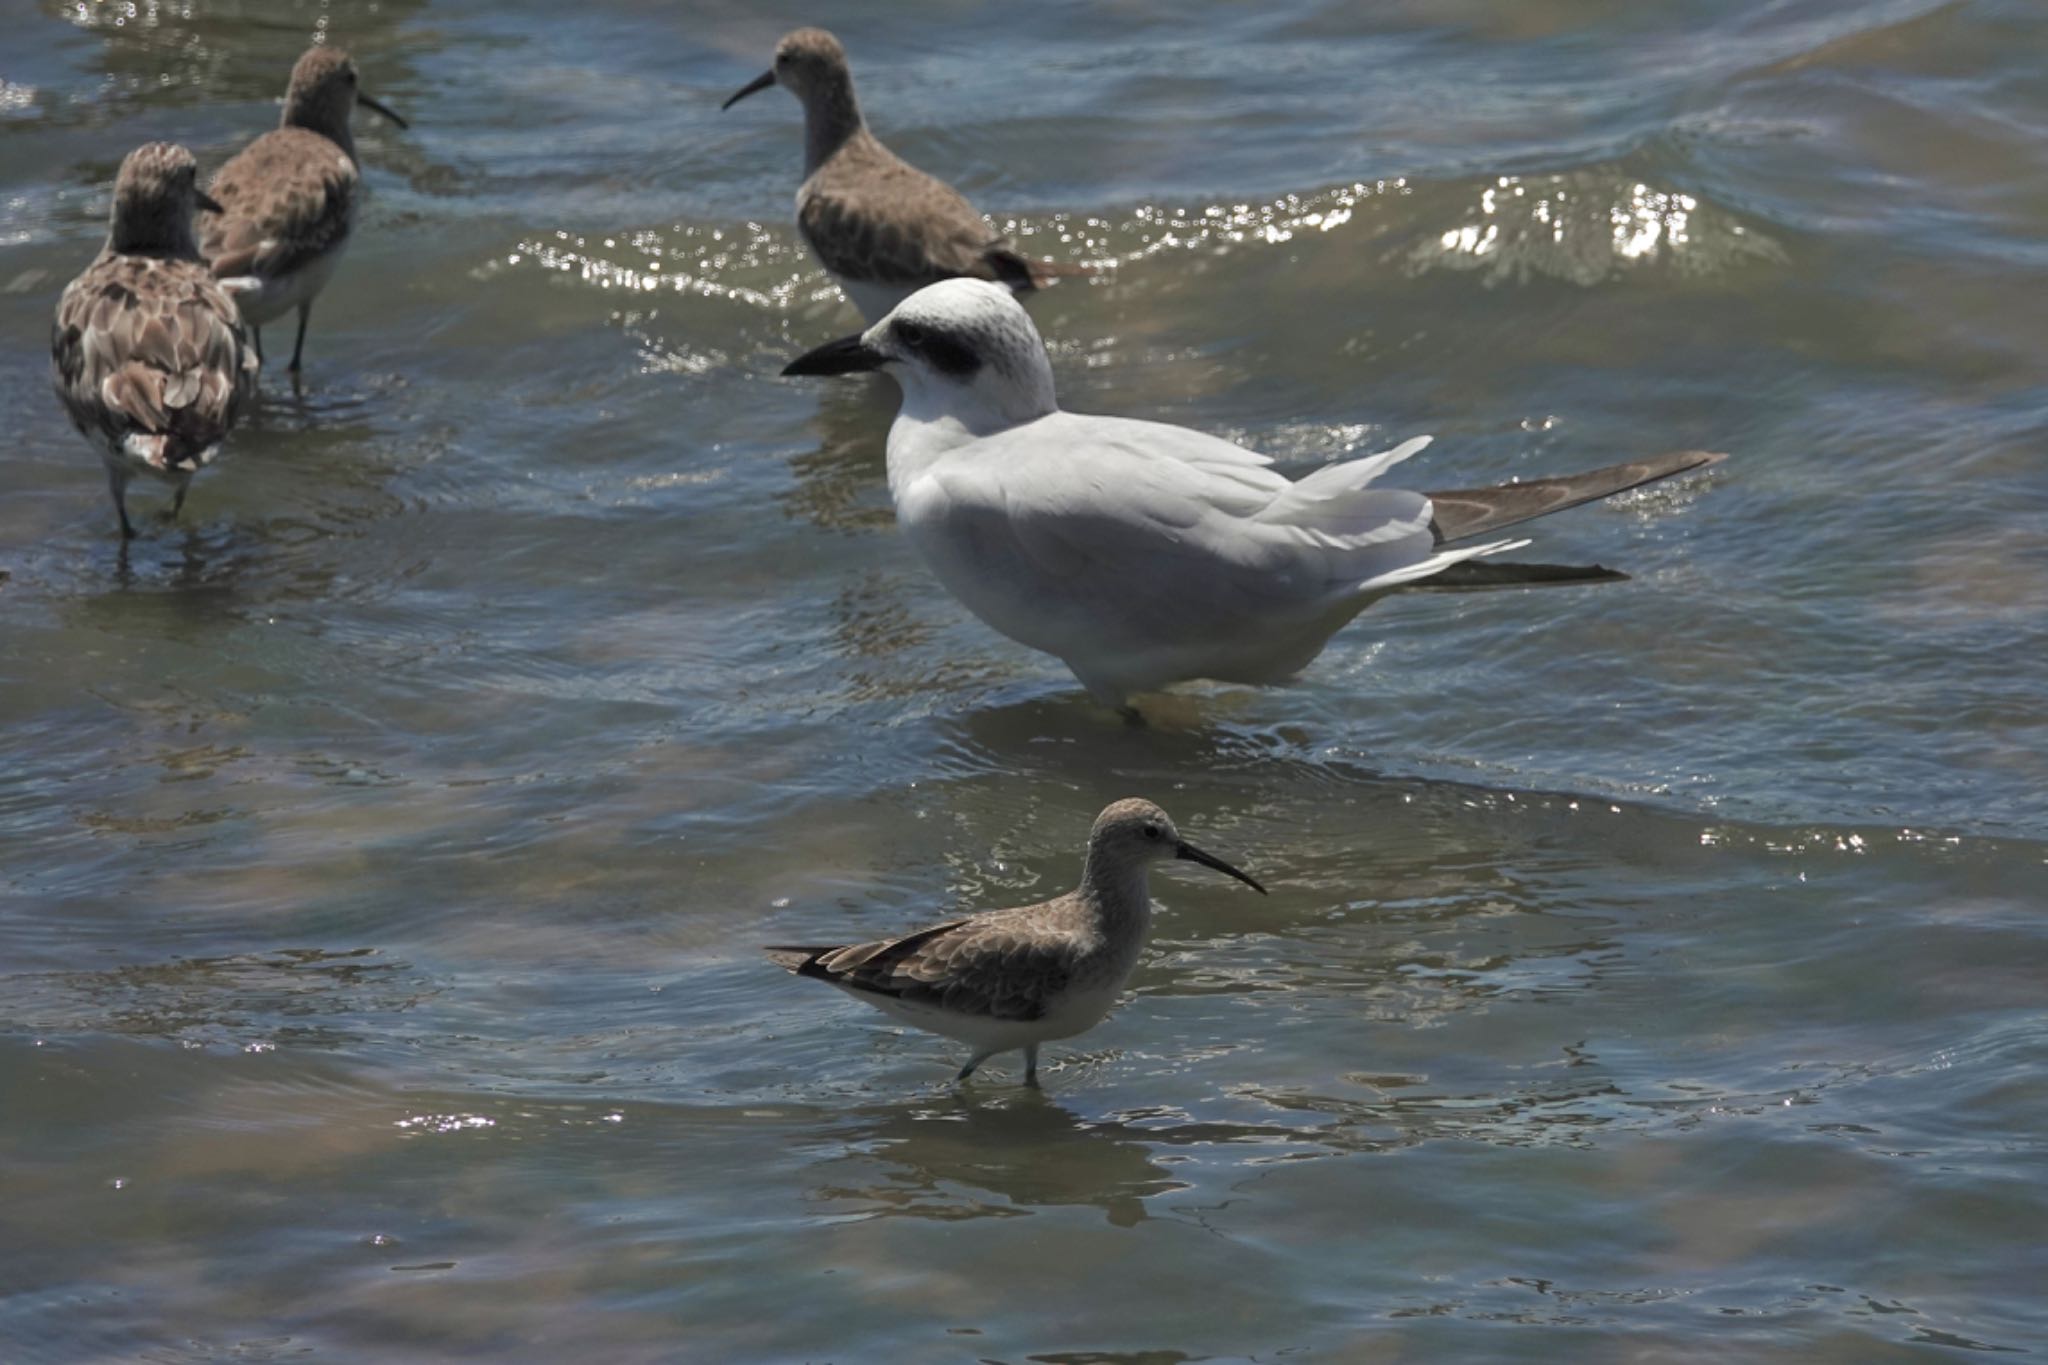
883 228
148 352
1008 979
288 200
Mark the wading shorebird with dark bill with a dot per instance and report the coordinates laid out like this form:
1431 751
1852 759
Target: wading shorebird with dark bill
287 201
883 228
1009 979
1144 554
148 353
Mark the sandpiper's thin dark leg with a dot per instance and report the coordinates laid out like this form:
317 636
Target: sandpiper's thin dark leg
1031 1064
117 484
178 502
972 1062
299 347
256 336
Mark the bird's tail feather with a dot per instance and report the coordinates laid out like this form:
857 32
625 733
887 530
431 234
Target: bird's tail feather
1353 475
1465 512
1473 576
1021 273
1339 505
1044 272
1443 561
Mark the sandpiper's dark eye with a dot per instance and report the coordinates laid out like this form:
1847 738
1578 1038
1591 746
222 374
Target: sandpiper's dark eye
910 333
1153 831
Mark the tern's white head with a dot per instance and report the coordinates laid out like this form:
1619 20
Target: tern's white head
963 349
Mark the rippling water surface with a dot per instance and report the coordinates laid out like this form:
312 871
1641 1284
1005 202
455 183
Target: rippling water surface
1653 972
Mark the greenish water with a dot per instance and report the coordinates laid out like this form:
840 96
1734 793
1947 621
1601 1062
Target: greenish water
1652 973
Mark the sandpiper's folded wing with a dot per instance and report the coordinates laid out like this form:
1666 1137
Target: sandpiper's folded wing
1001 965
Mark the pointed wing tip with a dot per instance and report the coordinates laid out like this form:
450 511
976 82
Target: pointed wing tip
791 958
1698 459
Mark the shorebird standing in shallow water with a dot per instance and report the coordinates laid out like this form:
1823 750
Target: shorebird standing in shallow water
288 199
1144 554
147 351
1008 979
883 228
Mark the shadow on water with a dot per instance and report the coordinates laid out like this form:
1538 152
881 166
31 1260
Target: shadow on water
177 574
1060 733
293 996
200 53
984 1152
843 484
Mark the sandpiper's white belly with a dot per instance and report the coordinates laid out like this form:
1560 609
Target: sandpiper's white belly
264 300
874 299
1073 1012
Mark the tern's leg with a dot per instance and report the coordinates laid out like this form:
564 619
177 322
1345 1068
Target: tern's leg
1031 1065
178 501
972 1062
256 336
1114 695
299 347
117 484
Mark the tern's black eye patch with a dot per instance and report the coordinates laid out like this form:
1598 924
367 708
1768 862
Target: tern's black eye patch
949 356
944 353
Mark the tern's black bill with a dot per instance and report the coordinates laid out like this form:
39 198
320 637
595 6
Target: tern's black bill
1195 855
848 355
760 82
381 108
207 202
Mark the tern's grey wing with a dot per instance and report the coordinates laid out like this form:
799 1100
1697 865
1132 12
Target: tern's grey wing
152 348
1465 512
1000 965
869 215
1159 524
289 197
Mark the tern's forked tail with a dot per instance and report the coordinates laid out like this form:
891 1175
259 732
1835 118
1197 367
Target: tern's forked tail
1483 575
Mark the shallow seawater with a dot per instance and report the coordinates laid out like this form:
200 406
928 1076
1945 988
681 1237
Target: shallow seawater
1652 972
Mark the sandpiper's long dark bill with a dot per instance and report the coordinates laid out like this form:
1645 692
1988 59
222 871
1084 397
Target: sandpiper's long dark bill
1007 979
1144 554
288 200
882 228
149 354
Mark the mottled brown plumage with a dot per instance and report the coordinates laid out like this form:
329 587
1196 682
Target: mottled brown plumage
870 215
1015 978
1005 964
288 200
148 353
882 227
